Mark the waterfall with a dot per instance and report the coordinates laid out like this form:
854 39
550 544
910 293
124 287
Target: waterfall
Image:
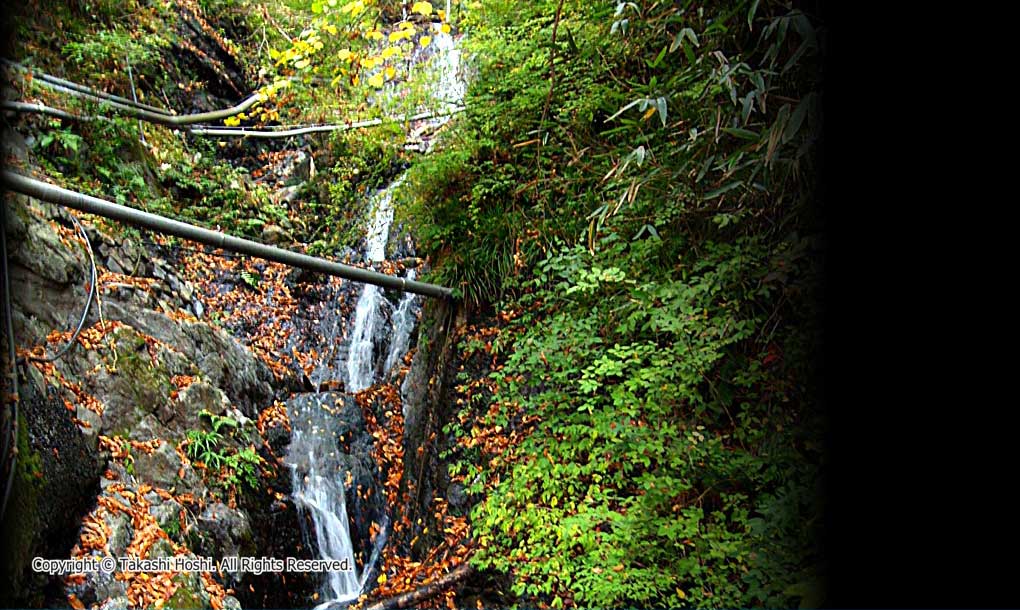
313 455
368 319
317 469
317 489
403 321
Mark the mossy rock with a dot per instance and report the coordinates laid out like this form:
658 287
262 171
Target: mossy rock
138 387
21 521
187 595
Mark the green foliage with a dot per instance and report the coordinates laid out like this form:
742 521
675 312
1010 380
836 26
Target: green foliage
107 49
203 446
243 467
250 279
218 421
644 206
67 141
237 466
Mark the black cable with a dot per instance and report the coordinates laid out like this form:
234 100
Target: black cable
13 443
88 302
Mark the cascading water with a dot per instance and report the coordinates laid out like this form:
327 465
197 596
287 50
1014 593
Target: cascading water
316 462
403 321
368 319
316 467
317 489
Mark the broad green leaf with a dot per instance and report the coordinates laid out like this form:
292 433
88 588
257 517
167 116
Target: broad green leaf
660 104
796 119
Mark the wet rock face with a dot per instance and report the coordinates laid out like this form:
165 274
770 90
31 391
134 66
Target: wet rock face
426 411
226 532
163 468
218 358
55 484
364 493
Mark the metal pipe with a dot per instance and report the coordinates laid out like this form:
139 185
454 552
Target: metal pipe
93 205
46 80
40 108
297 131
175 122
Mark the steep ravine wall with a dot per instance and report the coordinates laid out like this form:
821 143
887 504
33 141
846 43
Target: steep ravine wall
426 410
145 382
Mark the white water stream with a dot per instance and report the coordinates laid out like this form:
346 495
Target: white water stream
316 469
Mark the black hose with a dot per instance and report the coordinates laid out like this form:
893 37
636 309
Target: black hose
13 443
88 302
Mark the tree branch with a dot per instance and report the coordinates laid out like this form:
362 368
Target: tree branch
416 597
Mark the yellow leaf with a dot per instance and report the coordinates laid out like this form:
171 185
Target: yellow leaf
376 80
382 579
232 121
390 72
424 41
344 54
406 25
445 28
354 7
375 35
389 52
680 593
425 8
648 114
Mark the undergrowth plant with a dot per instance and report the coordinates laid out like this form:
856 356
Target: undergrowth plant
636 199
235 466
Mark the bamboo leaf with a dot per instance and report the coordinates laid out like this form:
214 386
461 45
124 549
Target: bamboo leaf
723 189
745 134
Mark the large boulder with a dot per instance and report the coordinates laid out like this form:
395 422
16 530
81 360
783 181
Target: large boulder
163 468
224 532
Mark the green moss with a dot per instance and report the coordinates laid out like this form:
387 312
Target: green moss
184 597
146 384
20 522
